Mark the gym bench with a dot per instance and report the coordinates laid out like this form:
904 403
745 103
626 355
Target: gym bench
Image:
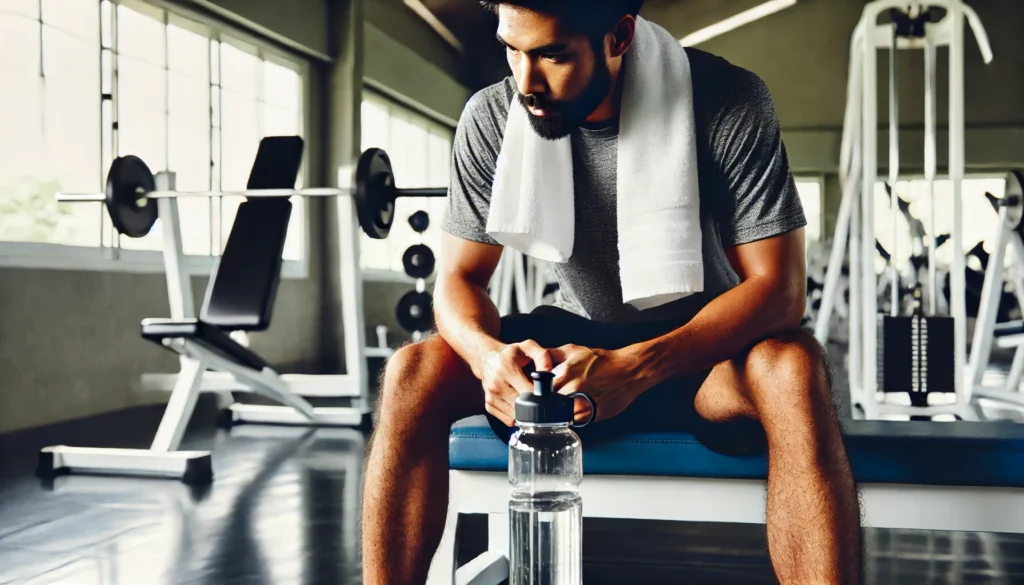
240 297
958 476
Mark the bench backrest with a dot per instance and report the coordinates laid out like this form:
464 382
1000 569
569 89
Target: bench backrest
243 285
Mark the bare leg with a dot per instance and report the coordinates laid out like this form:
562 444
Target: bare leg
813 510
426 388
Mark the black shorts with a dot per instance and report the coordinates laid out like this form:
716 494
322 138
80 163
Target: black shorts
666 407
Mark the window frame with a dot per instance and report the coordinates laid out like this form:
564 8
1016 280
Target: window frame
399 109
107 257
820 180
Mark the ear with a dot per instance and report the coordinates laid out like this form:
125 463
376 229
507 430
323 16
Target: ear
622 36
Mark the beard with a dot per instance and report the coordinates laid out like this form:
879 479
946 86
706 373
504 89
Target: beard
562 116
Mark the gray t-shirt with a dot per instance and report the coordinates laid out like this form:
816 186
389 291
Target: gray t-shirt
747 192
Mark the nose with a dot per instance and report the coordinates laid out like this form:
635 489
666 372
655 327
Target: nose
529 79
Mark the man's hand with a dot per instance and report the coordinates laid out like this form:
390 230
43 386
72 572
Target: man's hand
504 380
606 376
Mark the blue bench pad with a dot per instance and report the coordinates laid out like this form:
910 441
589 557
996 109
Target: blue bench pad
927 453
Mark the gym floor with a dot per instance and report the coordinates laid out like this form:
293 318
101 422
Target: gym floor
284 509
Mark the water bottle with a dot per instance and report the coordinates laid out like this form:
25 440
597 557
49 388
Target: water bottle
545 469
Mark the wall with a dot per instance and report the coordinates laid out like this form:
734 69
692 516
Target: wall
295 21
406 56
802 54
71 344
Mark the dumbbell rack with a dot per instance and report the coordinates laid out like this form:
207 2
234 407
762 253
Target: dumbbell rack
858 174
354 385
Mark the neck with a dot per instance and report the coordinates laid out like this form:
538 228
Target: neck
609 108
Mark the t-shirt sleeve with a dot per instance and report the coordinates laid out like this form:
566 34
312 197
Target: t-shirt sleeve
474 156
761 199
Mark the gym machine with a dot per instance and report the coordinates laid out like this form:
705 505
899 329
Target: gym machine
913 27
1007 335
239 298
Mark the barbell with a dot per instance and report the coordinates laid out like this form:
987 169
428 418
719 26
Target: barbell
131 193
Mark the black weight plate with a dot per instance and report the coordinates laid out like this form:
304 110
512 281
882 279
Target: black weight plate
418 261
415 311
419 221
128 180
375 193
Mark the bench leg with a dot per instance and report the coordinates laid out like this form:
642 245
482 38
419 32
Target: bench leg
442 567
490 568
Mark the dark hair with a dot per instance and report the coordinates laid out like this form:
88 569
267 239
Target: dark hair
593 18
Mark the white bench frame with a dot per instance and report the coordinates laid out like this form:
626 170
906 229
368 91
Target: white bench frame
686 499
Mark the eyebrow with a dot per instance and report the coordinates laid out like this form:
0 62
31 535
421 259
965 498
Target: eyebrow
552 48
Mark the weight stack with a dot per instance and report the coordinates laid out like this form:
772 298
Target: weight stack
916 356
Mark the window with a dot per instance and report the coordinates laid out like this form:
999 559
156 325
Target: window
810 190
979 221
101 79
420 153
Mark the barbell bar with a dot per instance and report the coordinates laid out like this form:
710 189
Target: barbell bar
130 194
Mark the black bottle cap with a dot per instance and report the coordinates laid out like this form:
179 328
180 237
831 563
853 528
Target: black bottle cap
544 406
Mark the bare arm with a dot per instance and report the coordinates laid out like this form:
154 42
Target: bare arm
466 317
470 323
770 299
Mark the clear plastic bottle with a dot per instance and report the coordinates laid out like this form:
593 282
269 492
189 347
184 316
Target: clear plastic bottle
545 470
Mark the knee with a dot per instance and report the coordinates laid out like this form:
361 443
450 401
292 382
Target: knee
412 380
791 373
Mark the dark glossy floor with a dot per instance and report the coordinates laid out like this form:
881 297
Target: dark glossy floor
283 510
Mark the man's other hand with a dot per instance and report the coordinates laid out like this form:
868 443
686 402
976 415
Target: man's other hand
606 376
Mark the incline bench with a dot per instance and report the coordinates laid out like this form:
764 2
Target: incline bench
240 297
912 475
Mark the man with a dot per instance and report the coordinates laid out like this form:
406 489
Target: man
727 363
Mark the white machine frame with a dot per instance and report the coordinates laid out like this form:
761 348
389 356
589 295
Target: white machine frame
162 458
687 499
525 275
859 172
985 325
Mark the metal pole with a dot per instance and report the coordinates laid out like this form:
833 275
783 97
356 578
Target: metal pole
930 166
894 169
956 174
991 291
869 145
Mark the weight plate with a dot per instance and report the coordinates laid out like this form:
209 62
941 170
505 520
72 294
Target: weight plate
1015 188
415 311
418 261
419 221
128 180
375 193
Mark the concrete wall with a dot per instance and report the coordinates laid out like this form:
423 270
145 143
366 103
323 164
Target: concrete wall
802 53
71 347
299 21
414 64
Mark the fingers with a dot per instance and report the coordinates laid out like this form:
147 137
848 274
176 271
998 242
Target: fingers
511 369
571 387
582 412
499 401
538 355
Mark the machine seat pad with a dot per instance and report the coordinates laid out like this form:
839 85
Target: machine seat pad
209 336
924 453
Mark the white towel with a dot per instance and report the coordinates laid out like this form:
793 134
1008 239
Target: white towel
532 199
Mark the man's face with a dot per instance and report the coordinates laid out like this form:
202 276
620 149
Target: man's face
560 79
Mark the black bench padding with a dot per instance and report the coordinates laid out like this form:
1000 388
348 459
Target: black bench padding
209 336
